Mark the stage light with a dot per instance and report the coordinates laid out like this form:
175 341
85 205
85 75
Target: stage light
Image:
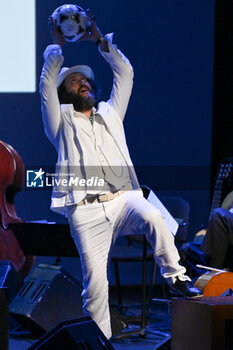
17 40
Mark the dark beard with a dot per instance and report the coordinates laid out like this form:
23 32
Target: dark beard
81 103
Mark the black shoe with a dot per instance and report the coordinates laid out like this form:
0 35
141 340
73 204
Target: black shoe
184 289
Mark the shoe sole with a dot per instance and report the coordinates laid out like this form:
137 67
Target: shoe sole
180 294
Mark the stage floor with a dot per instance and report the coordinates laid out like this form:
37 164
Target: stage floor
157 333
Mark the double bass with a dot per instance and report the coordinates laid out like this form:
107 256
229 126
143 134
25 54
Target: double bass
11 181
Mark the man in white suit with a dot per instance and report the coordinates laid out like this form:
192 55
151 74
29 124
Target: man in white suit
88 134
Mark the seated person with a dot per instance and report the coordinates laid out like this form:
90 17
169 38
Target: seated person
218 241
212 247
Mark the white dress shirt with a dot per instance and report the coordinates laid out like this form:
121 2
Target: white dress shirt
102 157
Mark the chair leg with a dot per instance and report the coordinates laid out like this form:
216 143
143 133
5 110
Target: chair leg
118 285
143 312
142 331
150 294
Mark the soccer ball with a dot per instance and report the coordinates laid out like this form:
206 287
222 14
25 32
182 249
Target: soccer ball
71 21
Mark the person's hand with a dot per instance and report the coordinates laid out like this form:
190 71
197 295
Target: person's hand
56 36
93 33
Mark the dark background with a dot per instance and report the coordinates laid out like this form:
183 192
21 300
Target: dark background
170 118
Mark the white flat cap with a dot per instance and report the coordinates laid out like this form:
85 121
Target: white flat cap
82 69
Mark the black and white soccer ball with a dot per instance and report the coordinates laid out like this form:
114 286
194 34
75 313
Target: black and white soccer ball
71 21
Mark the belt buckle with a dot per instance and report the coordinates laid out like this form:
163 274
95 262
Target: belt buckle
83 202
103 197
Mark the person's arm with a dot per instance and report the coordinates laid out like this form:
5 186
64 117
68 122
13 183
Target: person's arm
50 105
48 83
121 67
123 77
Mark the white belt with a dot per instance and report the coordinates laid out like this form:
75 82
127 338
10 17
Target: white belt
105 197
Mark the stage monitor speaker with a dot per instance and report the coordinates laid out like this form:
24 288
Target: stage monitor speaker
77 334
4 333
202 323
49 295
9 278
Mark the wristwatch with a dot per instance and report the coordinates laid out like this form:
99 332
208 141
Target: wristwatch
101 38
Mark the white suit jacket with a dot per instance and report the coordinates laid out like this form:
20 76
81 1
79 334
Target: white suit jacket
61 125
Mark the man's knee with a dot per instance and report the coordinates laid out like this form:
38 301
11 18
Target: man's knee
151 217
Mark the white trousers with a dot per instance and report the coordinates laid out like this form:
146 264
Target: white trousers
95 227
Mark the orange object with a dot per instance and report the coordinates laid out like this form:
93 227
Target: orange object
214 283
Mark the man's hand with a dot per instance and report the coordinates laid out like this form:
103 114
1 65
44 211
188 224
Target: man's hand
56 36
94 34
